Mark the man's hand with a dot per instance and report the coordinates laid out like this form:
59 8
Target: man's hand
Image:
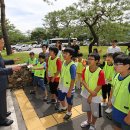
69 94
127 119
16 68
89 100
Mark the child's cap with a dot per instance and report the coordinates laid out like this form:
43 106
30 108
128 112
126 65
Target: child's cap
31 53
41 55
69 50
54 49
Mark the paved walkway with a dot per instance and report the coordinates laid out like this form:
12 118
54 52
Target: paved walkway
29 112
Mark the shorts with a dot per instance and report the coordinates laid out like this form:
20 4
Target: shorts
62 96
118 119
54 88
39 82
121 125
95 108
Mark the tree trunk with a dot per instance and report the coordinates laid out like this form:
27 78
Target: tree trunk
4 30
95 38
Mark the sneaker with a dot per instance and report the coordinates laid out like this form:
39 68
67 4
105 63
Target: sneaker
109 116
92 127
84 124
45 99
32 92
62 110
57 106
103 104
108 110
52 101
67 117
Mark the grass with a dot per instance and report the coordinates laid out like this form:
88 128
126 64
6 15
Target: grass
23 57
84 49
102 50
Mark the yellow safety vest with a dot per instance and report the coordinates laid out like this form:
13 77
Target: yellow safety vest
92 79
39 73
65 74
52 67
121 90
33 62
80 67
109 71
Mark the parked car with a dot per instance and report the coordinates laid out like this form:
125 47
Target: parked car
24 48
38 46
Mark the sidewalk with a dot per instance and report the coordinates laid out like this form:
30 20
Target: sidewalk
16 115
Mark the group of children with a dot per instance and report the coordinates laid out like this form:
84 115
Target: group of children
100 83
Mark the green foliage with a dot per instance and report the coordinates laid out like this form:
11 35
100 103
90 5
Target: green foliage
15 35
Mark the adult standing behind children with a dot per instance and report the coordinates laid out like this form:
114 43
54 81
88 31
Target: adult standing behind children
75 47
4 72
114 48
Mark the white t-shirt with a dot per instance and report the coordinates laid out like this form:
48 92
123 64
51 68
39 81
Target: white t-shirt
112 49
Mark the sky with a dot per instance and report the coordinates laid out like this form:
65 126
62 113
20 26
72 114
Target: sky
28 14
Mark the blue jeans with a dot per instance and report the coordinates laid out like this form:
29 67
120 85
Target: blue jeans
39 82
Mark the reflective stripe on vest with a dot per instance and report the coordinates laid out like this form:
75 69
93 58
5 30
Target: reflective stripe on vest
92 79
39 73
121 90
109 71
52 67
65 74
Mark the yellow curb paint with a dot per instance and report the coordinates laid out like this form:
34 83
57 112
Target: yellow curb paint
48 121
33 123
59 117
79 109
31 119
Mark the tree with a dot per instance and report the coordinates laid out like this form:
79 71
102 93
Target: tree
94 13
4 30
38 34
14 34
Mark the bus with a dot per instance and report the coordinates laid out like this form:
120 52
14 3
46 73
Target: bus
64 41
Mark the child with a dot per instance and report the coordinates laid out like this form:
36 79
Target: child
80 67
39 75
121 93
109 73
46 53
31 62
67 81
53 73
93 79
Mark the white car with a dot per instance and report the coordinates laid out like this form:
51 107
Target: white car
24 48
